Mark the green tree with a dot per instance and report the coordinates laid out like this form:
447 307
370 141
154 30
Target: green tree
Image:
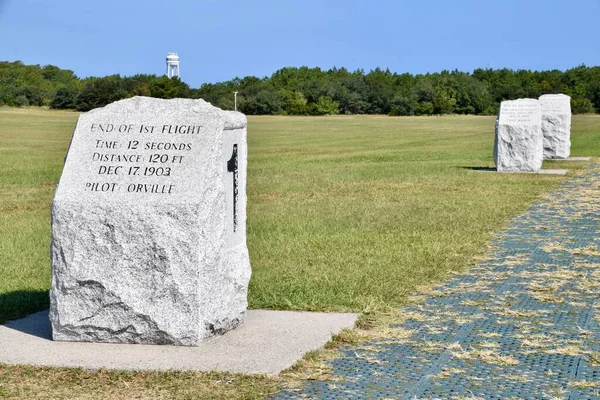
581 105
168 88
65 98
98 92
21 101
402 105
35 96
294 102
37 84
380 91
265 102
325 106
305 90
424 108
443 102
7 94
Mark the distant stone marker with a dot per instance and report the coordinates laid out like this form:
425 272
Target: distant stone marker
556 125
149 225
518 141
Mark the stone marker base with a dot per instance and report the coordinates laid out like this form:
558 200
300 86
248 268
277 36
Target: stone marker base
267 343
538 172
570 159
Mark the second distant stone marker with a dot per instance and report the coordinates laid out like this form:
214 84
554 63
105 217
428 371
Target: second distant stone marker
556 125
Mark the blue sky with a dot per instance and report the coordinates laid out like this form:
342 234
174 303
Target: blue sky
218 40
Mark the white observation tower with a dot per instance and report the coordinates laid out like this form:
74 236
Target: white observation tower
172 65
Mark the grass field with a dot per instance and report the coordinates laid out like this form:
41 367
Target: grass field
345 213
350 213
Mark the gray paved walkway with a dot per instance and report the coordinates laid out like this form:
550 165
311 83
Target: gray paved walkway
525 323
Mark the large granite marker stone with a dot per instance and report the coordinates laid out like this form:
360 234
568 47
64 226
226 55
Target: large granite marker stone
556 125
518 141
149 225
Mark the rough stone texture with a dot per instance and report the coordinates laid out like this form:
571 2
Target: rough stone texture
518 141
139 256
556 125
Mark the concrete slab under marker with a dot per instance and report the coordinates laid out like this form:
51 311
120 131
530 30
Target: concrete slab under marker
544 172
569 159
540 172
268 342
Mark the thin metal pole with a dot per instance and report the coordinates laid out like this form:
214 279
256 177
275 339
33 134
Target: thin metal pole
235 101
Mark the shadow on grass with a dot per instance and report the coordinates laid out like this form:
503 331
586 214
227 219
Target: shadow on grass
20 303
483 169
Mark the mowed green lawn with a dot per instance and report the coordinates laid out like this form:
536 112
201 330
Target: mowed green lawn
353 212
344 213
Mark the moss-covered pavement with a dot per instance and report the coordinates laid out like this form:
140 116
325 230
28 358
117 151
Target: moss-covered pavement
524 323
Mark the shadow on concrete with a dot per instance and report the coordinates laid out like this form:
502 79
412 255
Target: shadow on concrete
37 324
22 303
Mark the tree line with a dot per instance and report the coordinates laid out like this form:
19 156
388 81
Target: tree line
310 91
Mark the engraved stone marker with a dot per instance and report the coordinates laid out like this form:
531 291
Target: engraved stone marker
556 125
518 141
149 225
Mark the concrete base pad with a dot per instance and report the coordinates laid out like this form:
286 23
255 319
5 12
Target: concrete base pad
569 159
268 342
540 172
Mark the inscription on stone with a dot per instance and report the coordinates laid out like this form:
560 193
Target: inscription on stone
556 125
149 225
518 140
135 158
552 104
519 113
